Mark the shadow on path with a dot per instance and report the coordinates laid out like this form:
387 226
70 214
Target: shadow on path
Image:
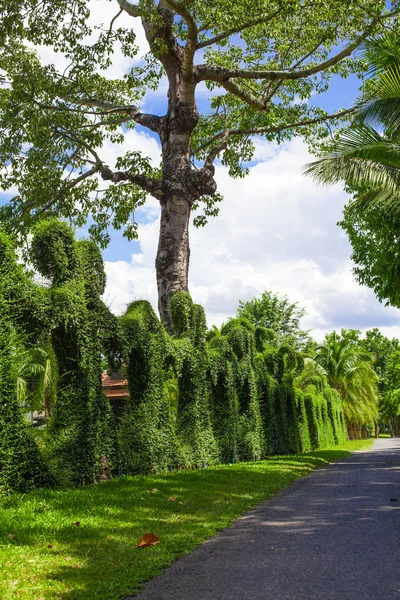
334 535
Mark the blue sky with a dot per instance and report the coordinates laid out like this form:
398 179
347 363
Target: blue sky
276 230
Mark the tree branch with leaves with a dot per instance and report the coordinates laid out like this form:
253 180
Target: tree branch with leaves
260 71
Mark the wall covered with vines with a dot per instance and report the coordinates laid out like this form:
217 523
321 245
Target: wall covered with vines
196 397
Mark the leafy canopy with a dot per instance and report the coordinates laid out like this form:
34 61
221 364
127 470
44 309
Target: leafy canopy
277 314
261 61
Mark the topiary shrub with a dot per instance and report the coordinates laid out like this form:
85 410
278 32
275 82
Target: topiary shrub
225 404
335 414
241 338
303 427
21 465
79 437
194 429
147 438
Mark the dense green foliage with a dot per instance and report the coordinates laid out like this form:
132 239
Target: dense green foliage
364 156
21 465
277 314
367 158
349 370
196 398
146 433
374 235
387 366
261 62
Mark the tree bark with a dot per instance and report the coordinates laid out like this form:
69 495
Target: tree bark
172 262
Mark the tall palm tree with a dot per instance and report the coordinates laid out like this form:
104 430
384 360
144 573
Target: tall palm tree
349 370
367 154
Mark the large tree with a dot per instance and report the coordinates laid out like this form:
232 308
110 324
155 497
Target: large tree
260 60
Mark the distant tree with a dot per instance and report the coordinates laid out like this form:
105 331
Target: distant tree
383 350
260 60
390 400
277 313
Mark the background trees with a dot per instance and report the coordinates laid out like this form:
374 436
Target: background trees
349 370
260 61
278 314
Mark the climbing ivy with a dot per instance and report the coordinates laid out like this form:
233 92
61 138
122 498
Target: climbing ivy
21 464
147 436
195 397
80 444
194 428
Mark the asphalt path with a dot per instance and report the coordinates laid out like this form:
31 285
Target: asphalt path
333 535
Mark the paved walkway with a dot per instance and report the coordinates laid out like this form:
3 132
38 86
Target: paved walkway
334 535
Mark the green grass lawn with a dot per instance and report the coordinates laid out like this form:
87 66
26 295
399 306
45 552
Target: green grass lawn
50 556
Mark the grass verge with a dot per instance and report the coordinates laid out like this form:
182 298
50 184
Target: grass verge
81 543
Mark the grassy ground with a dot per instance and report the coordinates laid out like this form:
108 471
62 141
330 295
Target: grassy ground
81 543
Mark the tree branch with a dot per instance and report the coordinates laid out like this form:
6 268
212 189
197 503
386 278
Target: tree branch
237 90
191 44
276 129
113 21
129 8
238 29
65 189
150 185
217 149
152 122
221 74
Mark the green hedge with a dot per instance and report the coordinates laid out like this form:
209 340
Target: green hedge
196 397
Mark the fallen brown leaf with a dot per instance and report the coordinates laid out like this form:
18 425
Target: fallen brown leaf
148 539
171 499
10 536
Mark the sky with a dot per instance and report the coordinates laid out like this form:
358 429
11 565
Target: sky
276 230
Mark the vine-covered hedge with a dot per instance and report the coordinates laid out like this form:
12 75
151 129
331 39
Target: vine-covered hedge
196 397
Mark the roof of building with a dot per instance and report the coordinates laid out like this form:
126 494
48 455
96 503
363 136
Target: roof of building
112 381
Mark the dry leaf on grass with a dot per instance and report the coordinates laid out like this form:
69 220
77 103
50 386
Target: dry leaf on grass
148 539
10 536
171 499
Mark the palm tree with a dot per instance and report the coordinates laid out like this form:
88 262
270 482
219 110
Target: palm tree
367 155
35 380
349 370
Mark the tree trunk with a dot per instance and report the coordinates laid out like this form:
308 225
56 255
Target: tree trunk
172 261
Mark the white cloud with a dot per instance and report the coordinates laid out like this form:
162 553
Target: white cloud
276 231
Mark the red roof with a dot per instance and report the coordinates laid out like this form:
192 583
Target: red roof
107 381
114 386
